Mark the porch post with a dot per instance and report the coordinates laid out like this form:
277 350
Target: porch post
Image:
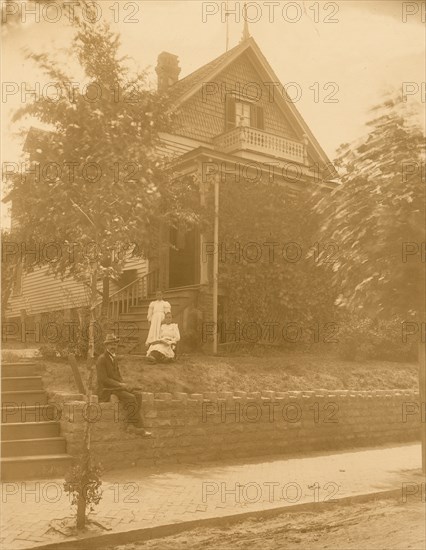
163 257
215 260
204 277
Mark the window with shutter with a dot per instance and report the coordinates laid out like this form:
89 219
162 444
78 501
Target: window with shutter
253 115
242 113
256 116
259 118
229 113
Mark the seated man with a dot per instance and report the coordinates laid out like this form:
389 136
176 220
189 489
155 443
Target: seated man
163 349
110 382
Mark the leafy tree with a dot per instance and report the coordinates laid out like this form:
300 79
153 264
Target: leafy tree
100 186
377 210
268 259
377 216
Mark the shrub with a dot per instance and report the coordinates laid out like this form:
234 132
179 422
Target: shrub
361 338
63 337
83 484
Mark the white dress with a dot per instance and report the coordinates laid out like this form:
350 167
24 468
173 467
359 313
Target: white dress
156 312
170 334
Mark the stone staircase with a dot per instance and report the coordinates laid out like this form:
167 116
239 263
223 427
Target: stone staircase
31 445
133 325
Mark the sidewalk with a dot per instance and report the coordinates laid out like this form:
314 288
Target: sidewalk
136 499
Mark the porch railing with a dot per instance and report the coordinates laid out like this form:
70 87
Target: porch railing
244 138
130 295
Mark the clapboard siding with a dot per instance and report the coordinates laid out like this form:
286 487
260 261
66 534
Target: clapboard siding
42 292
175 146
139 264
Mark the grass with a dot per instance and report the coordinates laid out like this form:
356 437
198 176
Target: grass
276 371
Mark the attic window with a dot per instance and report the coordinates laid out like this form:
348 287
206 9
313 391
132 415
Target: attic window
239 112
242 113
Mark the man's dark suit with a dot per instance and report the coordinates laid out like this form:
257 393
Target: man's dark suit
110 382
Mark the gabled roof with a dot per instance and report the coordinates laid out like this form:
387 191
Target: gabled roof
184 89
187 84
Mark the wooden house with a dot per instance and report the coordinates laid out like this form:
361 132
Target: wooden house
231 113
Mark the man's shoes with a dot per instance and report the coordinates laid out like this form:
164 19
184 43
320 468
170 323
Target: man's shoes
151 359
142 432
138 431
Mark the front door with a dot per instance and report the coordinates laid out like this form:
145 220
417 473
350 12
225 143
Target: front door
183 257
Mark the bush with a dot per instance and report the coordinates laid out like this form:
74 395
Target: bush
362 338
83 485
64 337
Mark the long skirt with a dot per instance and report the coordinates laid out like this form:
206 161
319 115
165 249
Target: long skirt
163 348
154 329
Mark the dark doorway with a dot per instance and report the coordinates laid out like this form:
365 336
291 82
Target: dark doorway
184 258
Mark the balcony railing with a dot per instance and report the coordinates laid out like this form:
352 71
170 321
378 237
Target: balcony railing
244 138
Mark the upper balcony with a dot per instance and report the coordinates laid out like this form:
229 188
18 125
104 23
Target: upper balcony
244 138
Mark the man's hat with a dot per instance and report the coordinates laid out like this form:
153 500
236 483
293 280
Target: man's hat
111 339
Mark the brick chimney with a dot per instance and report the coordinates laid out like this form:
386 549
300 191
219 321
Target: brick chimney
167 70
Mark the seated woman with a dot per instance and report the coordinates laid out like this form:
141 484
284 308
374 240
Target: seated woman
163 349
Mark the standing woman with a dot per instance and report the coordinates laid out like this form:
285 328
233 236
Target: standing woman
156 313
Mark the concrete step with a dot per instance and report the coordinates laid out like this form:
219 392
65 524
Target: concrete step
19 369
35 467
19 383
24 397
142 311
136 335
29 413
29 430
33 447
133 318
19 363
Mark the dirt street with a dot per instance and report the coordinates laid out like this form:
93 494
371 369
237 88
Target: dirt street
375 525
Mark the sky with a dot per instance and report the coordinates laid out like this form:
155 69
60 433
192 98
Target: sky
354 49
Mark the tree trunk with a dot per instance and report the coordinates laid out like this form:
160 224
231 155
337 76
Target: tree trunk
92 322
105 296
81 511
86 457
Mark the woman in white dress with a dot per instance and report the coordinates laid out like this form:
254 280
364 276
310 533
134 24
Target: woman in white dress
163 349
156 313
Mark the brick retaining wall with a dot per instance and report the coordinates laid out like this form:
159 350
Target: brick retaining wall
214 426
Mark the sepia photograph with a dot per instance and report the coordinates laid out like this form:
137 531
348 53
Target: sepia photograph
213 275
